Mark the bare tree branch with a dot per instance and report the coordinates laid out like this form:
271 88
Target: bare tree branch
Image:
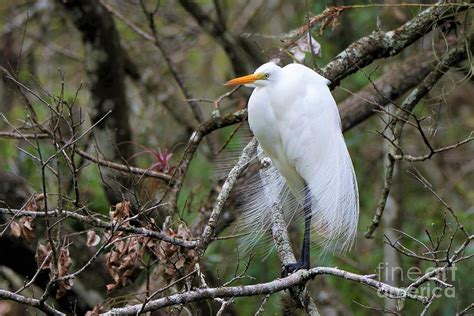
48 310
277 285
96 222
286 255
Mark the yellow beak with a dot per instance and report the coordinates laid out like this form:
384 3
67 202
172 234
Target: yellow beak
245 79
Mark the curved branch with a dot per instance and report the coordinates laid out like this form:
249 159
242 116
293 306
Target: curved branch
300 277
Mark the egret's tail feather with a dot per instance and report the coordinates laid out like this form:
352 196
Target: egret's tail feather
335 198
258 196
255 196
334 212
230 155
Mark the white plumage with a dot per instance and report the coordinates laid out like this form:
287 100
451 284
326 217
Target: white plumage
296 122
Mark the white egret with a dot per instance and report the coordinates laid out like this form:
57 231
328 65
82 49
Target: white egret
296 122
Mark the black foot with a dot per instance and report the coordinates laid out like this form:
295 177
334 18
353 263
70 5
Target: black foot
293 267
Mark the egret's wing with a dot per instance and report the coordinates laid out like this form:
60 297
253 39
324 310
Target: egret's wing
267 187
314 144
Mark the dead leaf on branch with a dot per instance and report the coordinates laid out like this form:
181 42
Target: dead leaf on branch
35 203
44 259
15 229
64 263
120 212
329 17
299 42
42 252
23 228
176 261
124 260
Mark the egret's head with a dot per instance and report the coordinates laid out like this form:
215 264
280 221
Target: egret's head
264 75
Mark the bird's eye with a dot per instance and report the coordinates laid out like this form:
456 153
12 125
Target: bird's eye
267 76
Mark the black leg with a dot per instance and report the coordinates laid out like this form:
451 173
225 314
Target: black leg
304 261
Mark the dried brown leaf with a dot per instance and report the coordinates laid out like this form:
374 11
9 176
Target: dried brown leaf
176 261
64 263
23 228
306 44
180 263
123 261
27 228
120 212
27 222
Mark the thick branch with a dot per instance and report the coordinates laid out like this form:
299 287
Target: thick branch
396 80
385 44
48 310
300 277
280 236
